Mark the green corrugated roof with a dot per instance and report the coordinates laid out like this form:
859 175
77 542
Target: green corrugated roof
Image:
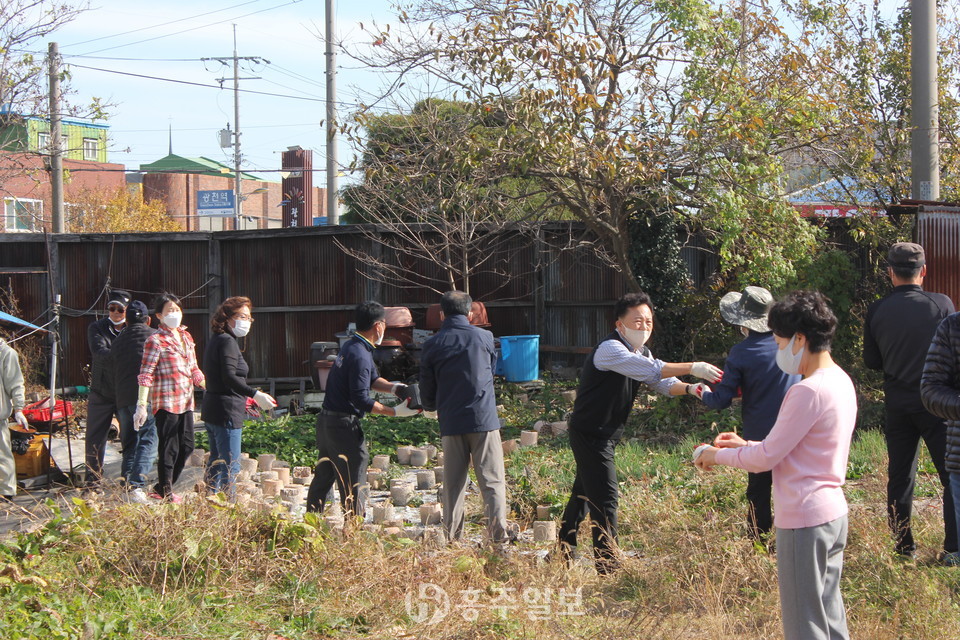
178 164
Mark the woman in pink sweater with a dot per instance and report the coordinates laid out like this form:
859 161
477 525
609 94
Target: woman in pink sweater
807 449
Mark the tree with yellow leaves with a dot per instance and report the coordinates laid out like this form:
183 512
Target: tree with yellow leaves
117 211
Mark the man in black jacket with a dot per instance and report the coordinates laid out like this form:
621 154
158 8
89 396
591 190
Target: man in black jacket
139 446
101 404
940 392
609 383
896 335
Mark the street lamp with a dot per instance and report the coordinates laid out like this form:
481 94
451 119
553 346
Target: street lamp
242 199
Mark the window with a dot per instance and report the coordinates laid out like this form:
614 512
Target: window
43 143
91 149
22 215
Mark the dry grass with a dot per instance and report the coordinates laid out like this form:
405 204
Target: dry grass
203 571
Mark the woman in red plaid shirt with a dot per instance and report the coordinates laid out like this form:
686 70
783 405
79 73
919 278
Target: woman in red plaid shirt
168 374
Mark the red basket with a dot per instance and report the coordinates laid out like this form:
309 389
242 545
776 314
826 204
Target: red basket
38 413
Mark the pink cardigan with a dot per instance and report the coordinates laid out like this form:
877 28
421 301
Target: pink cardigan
807 449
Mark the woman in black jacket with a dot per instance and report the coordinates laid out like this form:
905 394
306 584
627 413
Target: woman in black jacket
225 398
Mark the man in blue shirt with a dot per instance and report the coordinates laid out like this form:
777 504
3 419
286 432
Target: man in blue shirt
751 371
343 449
456 381
609 383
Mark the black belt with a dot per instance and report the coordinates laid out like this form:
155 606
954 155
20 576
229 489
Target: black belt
337 414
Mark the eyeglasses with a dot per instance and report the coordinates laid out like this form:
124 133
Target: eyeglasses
115 308
243 316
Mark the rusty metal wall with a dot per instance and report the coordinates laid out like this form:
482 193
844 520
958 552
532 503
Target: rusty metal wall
304 287
938 230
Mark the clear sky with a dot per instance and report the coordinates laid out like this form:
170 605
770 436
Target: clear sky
167 39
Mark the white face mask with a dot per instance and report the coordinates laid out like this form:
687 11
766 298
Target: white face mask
789 362
636 337
380 339
172 319
241 328
117 323
744 331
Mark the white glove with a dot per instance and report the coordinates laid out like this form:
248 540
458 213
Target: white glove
22 420
264 400
706 371
397 388
430 414
697 390
139 417
403 410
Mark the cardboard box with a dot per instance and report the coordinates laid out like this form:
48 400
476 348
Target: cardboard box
36 461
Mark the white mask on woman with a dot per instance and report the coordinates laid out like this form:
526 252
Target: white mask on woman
241 328
788 361
172 319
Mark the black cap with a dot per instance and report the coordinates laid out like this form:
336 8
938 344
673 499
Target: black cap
119 296
906 255
137 312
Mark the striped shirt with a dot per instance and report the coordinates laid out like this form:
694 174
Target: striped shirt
169 368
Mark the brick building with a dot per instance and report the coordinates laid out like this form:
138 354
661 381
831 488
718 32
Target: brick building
176 180
25 175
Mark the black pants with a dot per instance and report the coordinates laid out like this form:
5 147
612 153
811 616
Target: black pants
594 492
759 513
175 444
904 430
343 460
100 412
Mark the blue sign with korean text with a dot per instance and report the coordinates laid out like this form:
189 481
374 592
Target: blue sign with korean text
215 203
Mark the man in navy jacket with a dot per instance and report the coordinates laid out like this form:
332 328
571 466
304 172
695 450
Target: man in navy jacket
456 381
751 371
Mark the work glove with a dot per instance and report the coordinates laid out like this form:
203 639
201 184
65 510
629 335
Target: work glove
398 389
264 400
21 420
198 379
697 390
403 410
430 414
706 371
139 417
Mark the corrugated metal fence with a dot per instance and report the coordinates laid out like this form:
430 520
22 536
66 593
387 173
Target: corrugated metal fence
303 286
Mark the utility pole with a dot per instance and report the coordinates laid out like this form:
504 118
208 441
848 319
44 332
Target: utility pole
925 112
237 179
333 215
56 140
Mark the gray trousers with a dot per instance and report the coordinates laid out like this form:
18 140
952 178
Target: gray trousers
809 562
487 453
8 464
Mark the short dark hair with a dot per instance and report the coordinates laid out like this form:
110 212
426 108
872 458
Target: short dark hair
456 303
227 309
805 312
162 299
368 314
631 300
905 273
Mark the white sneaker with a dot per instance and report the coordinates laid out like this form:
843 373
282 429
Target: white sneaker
138 496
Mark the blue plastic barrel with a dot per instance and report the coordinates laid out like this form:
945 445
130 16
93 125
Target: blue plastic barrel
521 357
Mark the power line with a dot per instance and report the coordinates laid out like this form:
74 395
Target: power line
200 84
203 26
249 126
163 24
